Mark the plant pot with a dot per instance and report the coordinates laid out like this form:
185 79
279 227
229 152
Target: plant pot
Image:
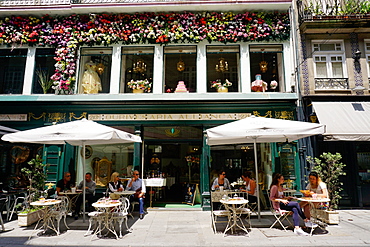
329 217
137 90
63 91
222 90
27 219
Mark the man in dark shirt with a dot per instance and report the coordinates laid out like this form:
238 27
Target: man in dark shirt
64 183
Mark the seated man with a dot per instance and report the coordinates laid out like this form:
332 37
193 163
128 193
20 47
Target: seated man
90 190
137 184
64 184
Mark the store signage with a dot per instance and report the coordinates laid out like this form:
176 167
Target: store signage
168 117
13 117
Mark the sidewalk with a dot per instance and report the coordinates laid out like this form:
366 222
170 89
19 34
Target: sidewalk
193 228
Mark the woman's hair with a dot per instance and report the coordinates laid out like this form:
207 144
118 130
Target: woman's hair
316 175
220 172
247 174
113 176
275 179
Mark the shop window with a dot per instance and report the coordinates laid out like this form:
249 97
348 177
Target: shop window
266 65
137 66
44 69
13 63
95 70
222 65
180 69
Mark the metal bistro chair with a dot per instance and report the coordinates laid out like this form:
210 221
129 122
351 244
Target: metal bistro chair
60 211
121 213
94 218
216 196
18 204
280 215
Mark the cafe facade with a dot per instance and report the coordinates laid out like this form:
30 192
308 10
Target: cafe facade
195 70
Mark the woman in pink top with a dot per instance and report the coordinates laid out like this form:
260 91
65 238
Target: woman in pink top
281 202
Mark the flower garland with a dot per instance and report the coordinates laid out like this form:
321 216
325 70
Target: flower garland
67 34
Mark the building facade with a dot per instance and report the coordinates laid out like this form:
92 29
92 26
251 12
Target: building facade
334 85
166 75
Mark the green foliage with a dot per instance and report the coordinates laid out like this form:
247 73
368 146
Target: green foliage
36 173
329 168
44 80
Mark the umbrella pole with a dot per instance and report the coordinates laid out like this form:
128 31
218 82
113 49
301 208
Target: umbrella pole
84 181
257 185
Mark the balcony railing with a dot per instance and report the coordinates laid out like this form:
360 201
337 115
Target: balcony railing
333 9
331 83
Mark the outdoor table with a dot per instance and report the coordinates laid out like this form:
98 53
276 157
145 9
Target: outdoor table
311 201
235 205
154 182
106 206
125 193
46 218
72 198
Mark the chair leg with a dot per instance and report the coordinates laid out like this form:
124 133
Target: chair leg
88 230
65 222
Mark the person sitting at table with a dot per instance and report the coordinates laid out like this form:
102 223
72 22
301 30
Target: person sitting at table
281 202
315 186
89 193
115 183
221 180
64 184
137 184
250 187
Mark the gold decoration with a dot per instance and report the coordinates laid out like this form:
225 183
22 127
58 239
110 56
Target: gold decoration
222 65
172 132
263 66
180 65
31 115
72 115
100 68
139 66
289 115
57 117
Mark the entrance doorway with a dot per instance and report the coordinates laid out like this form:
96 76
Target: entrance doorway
178 163
174 154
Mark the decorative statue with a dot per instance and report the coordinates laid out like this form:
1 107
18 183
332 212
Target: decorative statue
259 85
91 81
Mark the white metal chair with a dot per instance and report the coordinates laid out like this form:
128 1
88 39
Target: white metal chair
215 214
121 213
60 211
18 203
94 218
280 215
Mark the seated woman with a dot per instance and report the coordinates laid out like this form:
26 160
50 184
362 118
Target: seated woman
221 180
281 202
315 186
115 183
250 186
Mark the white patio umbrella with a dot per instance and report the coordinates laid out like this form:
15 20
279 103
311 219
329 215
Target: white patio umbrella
77 133
261 130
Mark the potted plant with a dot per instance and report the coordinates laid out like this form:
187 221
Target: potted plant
44 80
329 168
140 86
36 174
221 87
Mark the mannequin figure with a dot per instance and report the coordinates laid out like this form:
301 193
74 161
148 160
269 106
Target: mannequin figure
91 80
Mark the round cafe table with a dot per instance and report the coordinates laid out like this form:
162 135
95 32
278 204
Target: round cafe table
106 206
125 193
46 217
72 198
235 206
311 201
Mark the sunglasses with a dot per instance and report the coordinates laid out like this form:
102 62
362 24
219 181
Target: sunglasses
223 174
136 174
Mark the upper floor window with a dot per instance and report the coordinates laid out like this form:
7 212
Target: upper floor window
95 67
180 69
44 69
367 51
13 64
266 66
136 66
223 64
328 59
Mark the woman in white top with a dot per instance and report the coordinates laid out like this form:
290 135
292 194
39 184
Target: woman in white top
315 186
250 186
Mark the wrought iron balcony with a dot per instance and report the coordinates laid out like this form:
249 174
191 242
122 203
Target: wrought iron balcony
333 9
331 83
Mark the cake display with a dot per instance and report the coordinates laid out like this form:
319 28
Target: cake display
181 88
